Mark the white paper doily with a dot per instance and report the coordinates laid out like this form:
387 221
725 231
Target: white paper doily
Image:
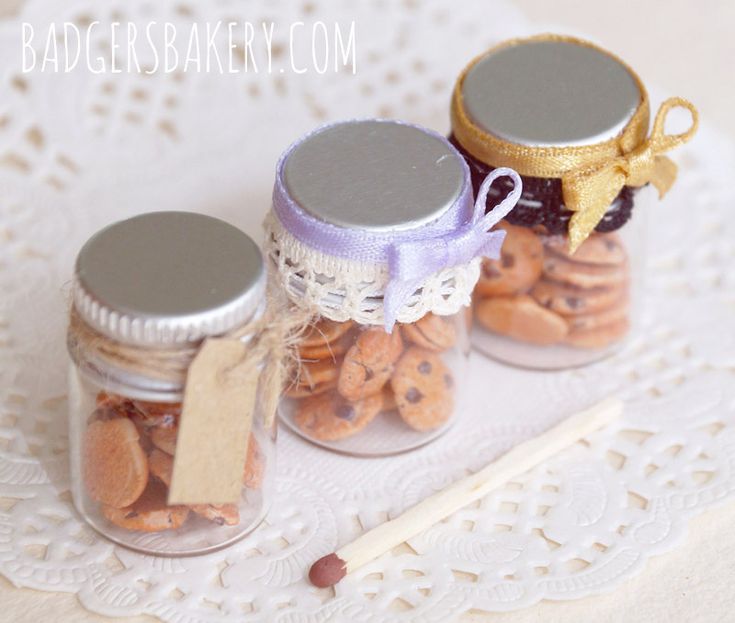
77 152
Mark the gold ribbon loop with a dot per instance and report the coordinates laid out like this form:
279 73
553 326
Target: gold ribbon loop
590 190
666 142
592 175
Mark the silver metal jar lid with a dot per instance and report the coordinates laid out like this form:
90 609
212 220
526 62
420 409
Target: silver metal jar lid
374 175
168 278
550 93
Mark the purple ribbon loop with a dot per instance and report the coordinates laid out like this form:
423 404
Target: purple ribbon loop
411 263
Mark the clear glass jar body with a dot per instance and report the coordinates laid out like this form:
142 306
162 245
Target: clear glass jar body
361 391
122 442
540 307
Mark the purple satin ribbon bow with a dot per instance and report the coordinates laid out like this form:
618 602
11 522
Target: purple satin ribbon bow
411 263
456 237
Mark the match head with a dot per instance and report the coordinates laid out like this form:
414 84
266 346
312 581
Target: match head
327 571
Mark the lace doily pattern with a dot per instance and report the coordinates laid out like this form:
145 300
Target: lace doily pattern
79 151
343 290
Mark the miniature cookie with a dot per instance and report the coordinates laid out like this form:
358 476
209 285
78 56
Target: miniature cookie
114 466
389 399
324 331
105 413
598 249
327 350
585 322
519 266
599 337
149 513
433 332
330 417
158 409
584 275
423 389
144 438
521 318
161 466
368 364
105 399
112 406
156 413
254 465
570 301
221 514
314 378
164 438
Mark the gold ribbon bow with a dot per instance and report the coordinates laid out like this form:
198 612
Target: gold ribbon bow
589 191
591 175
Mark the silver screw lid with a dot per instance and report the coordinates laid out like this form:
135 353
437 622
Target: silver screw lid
374 175
167 278
550 93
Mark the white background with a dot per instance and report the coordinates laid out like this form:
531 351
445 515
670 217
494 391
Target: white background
687 48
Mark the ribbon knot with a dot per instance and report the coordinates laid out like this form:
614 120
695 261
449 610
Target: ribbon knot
411 263
638 166
590 190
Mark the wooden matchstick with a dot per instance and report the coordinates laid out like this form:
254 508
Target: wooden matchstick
330 569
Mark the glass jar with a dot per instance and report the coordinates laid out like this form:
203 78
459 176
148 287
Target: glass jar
573 120
147 292
364 233
540 306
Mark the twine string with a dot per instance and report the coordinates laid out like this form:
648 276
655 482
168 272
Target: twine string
271 338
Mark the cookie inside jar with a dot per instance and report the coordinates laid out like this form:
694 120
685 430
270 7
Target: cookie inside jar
540 306
573 120
127 452
139 342
376 234
360 390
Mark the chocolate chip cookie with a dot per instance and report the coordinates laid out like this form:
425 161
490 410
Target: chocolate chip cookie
598 249
369 363
572 301
437 333
520 264
522 318
149 513
583 275
314 378
423 389
329 417
114 466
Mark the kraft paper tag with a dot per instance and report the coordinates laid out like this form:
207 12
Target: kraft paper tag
215 425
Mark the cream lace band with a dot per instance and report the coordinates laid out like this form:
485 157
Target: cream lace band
342 289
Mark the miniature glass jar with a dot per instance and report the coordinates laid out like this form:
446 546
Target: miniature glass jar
147 291
374 233
572 119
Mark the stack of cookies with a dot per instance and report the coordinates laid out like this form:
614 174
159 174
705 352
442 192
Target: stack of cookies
349 374
127 462
537 292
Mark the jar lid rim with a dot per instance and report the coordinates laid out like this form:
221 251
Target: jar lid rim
550 92
167 278
374 175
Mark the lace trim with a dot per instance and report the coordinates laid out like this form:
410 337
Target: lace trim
342 290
